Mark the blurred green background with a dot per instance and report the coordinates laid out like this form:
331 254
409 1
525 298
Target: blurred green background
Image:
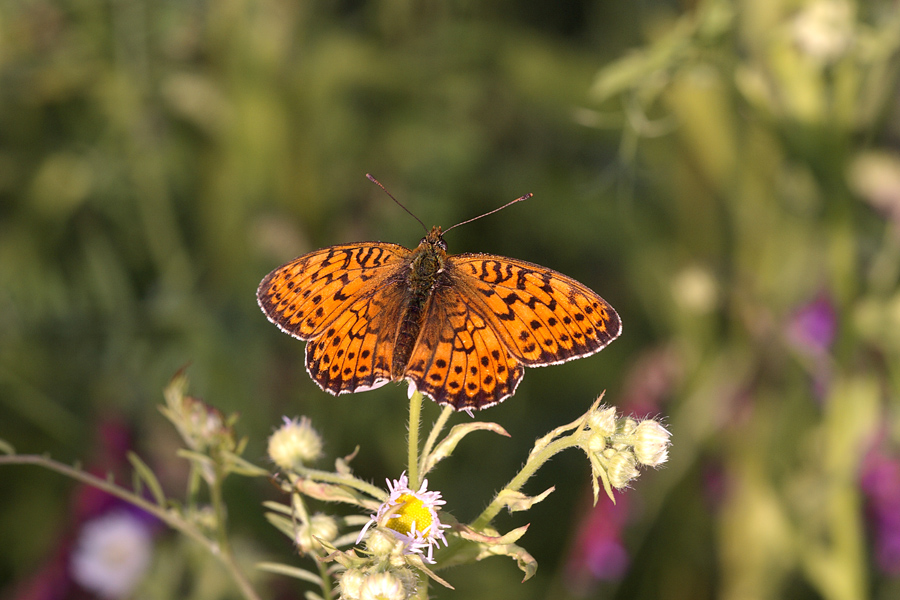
725 173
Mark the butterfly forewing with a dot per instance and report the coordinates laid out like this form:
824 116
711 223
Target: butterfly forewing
542 316
304 296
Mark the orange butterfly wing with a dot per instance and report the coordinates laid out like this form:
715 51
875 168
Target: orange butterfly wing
496 315
340 300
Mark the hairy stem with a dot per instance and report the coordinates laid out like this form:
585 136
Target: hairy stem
415 416
535 462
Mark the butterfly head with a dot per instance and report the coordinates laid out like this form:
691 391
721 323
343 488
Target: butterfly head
435 238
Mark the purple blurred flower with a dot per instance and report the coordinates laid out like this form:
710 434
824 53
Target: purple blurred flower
811 331
53 579
813 326
651 381
880 483
598 553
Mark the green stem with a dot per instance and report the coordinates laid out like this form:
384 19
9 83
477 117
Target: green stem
534 463
435 432
415 417
327 591
169 517
215 492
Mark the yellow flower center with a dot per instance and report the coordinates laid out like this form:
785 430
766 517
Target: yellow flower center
409 509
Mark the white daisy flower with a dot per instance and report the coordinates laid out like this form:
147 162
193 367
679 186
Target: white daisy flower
411 517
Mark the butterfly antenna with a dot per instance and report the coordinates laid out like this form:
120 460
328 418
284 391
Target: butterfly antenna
519 199
378 183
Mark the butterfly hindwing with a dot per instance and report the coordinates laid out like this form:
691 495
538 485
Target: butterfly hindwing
354 354
337 298
459 358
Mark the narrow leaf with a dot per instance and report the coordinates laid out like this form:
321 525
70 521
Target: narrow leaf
492 538
334 493
523 559
147 475
517 501
282 524
416 561
279 507
290 571
446 447
196 457
244 467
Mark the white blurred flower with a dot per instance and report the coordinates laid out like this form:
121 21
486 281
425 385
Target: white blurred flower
695 289
112 554
875 176
824 29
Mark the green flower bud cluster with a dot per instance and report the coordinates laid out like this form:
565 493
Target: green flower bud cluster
617 446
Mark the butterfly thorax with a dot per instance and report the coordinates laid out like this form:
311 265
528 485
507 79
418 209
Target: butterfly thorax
426 263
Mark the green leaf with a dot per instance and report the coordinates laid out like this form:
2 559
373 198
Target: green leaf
242 466
491 537
282 524
334 493
523 559
279 507
416 561
148 477
290 571
201 460
517 501
446 447
6 447
636 69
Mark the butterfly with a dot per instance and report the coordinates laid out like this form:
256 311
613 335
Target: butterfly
459 328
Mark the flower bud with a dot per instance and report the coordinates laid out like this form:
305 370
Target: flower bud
597 443
651 443
622 469
381 543
383 586
629 424
323 527
320 526
351 582
603 421
294 444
